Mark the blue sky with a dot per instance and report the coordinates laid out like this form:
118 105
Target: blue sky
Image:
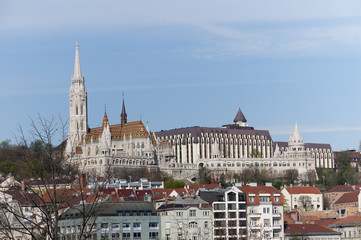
188 63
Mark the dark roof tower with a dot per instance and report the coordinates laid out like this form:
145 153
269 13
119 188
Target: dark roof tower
123 115
240 118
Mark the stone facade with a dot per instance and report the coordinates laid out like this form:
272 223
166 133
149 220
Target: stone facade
181 152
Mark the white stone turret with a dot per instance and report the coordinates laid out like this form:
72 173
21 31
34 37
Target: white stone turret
78 106
295 142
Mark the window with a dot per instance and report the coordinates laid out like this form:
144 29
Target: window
104 225
265 210
126 226
206 224
137 235
193 225
179 214
192 213
136 225
153 235
277 199
126 235
167 225
251 199
153 224
264 199
275 210
252 210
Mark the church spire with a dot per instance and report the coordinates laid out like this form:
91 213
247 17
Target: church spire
105 120
77 70
123 115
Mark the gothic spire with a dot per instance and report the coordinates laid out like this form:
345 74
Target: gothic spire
77 71
105 120
123 115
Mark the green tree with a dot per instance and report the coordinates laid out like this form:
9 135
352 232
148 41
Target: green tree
256 154
204 175
346 172
9 167
173 183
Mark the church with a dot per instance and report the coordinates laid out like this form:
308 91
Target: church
103 148
181 152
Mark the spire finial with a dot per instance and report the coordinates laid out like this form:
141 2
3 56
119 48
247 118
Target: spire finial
123 115
77 71
105 108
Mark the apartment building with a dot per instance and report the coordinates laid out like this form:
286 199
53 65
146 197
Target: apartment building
185 218
264 211
229 213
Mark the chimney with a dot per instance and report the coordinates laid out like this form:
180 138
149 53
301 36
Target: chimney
22 186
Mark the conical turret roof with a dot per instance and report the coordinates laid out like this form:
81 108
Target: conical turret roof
239 117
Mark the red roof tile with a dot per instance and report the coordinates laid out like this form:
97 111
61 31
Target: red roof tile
325 222
303 190
307 228
259 190
341 188
348 197
349 219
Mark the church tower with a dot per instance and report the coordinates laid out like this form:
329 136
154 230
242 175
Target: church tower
78 106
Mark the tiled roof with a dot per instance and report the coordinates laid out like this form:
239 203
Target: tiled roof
349 219
307 145
160 193
325 222
348 197
259 190
307 229
194 187
197 131
341 188
25 198
134 129
303 190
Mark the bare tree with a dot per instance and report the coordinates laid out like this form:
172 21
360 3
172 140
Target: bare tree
48 196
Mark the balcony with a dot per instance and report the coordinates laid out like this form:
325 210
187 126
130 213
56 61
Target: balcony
276 215
255 214
277 226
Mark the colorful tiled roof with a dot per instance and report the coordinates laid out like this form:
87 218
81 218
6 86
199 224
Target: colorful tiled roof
134 129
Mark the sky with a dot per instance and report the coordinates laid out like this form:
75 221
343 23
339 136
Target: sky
187 63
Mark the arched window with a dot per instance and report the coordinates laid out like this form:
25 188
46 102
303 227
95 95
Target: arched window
206 224
193 225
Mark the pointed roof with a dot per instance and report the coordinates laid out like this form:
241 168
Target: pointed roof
239 117
123 108
105 120
296 132
77 70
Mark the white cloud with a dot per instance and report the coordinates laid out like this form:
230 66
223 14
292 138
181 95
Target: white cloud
277 41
